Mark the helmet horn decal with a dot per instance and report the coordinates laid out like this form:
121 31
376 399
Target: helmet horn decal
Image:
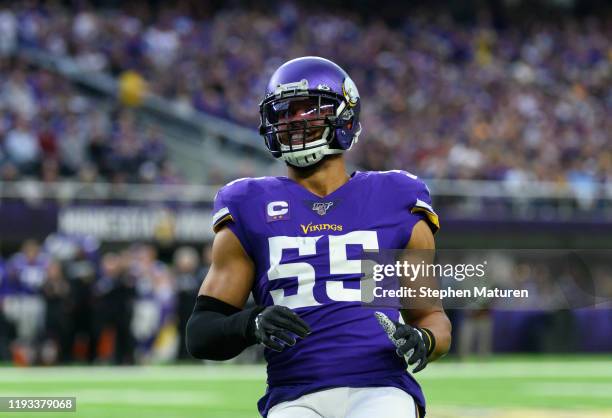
349 89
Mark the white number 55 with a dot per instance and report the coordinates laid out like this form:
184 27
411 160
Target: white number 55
305 272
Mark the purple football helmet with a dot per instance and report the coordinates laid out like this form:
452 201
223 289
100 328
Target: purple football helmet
310 110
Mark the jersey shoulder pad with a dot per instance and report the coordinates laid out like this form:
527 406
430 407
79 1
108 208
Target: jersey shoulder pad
412 192
234 195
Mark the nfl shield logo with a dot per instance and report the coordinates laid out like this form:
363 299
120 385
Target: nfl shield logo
321 208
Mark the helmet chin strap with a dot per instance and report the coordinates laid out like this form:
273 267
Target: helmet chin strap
307 160
308 157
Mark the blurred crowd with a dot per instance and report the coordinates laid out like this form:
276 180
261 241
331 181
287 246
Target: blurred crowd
66 300
444 99
50 130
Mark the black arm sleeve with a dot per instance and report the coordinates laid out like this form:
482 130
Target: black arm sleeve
219 331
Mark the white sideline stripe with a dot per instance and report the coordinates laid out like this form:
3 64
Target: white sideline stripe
119 374
557 369
519 412
564 390
220 213
217 372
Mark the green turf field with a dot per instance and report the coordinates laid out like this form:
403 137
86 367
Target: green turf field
514 387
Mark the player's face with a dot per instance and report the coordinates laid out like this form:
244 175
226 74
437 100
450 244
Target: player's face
302 120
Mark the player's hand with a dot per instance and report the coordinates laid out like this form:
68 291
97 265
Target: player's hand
410 342
276 327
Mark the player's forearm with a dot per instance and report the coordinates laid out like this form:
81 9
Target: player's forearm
218 331
440 326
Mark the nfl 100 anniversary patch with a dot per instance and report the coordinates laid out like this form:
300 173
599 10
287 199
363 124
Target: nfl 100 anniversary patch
321 208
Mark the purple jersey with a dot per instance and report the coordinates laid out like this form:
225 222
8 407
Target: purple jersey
30 275
8 284
306 251
3 281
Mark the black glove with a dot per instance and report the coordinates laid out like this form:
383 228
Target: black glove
275 327
415 344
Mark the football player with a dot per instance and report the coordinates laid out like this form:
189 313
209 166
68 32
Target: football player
294 242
